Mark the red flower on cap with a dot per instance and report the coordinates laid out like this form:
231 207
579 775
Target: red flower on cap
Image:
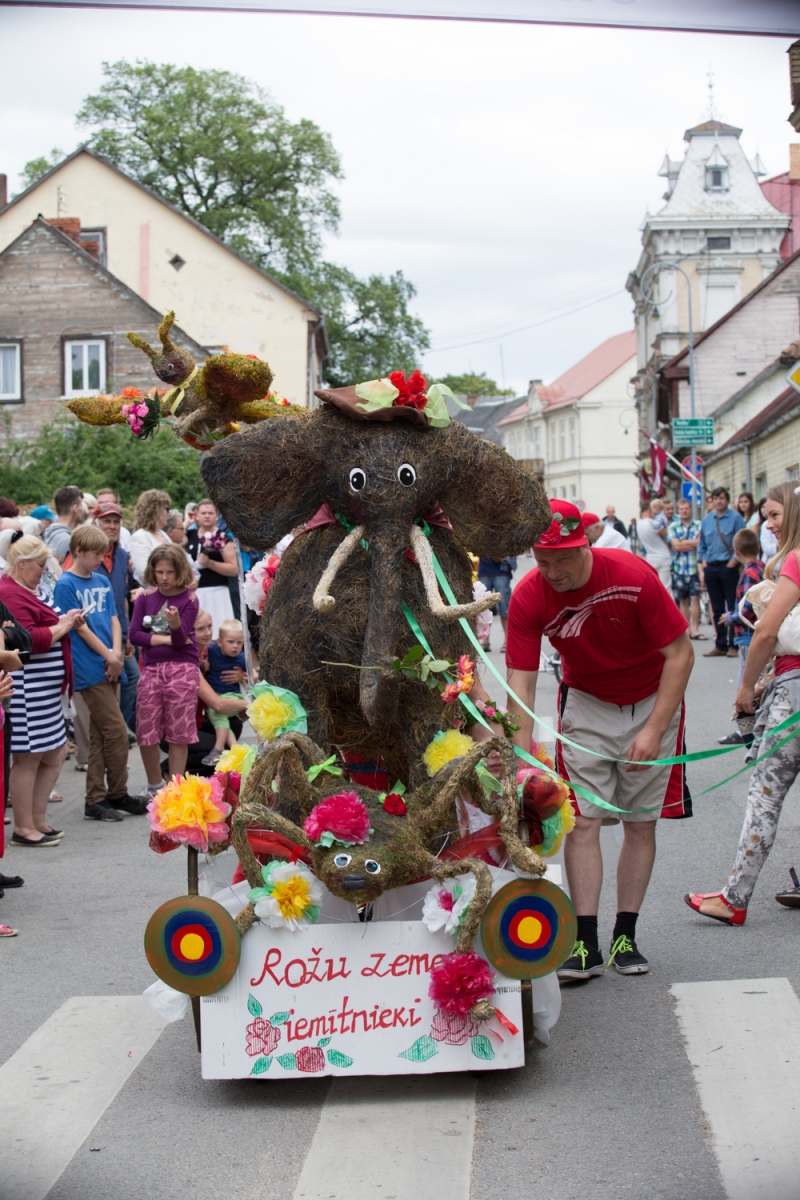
412 390
551 535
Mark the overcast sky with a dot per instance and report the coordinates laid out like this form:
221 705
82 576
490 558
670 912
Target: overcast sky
504 168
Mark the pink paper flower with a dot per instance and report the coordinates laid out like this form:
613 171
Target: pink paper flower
453 1029
459 981
262 1037
342 818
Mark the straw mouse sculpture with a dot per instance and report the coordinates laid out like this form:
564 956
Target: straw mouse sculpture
389 849
382 487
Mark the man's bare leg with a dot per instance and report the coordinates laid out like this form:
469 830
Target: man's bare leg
584 863
635 864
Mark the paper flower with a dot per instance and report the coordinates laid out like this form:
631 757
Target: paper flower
444 747
446 903
394 803
464 683
135 412
258 581
560 527
412 390
262 1037
452 1029
555 829
459 981
342 818
290 898
237 763
274 711
190 809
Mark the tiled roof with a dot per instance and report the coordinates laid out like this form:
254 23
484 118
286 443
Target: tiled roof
709 128
781 409
584 376
487 414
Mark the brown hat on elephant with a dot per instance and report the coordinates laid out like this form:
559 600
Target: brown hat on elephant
395 396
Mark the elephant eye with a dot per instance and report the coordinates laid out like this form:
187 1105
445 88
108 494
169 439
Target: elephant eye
406 474
371 867
342 861
358 479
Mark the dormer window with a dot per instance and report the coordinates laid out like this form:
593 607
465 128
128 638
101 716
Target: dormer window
716 171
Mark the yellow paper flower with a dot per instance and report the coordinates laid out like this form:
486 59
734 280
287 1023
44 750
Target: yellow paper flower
292 897
274 710
444 747
234 758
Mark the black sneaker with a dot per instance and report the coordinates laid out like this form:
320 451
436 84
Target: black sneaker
584 962
626 959
101 812
135 805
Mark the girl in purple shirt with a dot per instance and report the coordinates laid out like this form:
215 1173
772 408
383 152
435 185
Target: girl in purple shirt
163 626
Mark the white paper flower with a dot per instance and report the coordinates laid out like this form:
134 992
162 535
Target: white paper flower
484 620
445 904
291 897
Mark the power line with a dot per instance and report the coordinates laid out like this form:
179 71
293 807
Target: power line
532 325
546 303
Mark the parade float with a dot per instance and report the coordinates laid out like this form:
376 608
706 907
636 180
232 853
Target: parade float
388 911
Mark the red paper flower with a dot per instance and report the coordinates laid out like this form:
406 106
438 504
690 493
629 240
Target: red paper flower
459 981
341 818
262 1037
453 1029
412 390
394 803
310 1059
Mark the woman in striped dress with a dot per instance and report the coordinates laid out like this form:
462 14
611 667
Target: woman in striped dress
38 738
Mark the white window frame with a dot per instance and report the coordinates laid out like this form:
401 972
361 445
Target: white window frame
573 438
10 397
562 440
69 390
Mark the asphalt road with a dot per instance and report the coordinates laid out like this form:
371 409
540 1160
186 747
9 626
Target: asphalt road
608 1110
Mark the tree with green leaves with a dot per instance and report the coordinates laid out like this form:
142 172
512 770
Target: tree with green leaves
474 385
38 167
370 329
217 147
67 452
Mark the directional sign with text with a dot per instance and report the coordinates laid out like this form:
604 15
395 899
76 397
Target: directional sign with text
693 431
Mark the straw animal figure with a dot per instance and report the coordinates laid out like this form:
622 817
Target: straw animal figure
400 848
226 391
383 494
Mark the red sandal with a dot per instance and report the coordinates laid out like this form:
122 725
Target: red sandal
695 899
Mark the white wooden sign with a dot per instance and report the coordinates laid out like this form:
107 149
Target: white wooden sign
348 999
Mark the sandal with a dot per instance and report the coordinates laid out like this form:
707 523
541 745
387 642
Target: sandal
55 798
698 637
695 899
7 931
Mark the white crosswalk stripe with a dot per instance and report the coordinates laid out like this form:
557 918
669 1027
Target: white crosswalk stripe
743 1041
59 1083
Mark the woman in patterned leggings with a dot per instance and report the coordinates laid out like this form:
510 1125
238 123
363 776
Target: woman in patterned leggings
772 777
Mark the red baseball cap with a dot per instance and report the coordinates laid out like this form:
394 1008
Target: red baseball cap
589 519
565 531
107 509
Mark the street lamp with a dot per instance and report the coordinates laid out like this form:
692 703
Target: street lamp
673 266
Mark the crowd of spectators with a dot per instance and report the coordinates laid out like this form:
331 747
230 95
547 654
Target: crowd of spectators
112 638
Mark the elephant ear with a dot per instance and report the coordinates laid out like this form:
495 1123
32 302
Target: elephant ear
267 479
495 507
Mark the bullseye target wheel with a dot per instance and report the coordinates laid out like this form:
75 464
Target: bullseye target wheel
528 929
193 945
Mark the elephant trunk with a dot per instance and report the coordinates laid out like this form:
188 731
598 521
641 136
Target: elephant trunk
379 689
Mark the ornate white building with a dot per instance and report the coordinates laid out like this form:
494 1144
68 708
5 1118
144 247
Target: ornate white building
719 226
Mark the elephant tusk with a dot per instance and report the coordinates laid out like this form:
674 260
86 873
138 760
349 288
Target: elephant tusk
447 612
322 600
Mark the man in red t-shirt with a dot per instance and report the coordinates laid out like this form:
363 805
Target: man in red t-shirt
626 659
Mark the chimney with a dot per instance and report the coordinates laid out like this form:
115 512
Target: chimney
3 191
794 160
71 226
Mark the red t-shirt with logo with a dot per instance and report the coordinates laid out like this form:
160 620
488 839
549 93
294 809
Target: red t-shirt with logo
608 633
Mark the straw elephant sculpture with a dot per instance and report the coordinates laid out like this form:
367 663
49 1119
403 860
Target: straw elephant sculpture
379 495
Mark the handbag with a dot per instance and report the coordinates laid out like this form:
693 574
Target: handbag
759 596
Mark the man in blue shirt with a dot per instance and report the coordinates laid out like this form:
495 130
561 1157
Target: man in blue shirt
716 555
97 666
